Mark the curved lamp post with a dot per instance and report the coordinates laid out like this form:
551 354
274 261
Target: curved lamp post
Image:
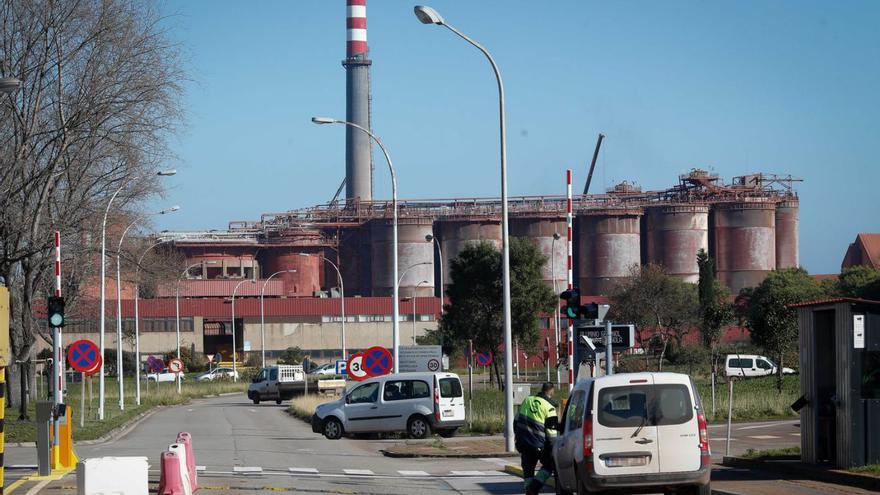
137 333
177 313
9 85
119 367
102 322
556 237
427 15
234 290
395 311
414 309
263 316
341 300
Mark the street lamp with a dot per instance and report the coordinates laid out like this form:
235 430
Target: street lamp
162 173
119 368
137 333
556 237
395 311
177 313
263 316
234 290
436 241
416 288
9 85
341 299
427 15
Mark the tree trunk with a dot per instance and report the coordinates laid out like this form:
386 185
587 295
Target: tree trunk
497 374
24 390
779 374
662 353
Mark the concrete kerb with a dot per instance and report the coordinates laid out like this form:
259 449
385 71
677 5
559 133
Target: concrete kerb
451 455
110 435
833 476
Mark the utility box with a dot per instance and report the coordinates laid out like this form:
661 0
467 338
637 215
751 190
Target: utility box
520 392
840 382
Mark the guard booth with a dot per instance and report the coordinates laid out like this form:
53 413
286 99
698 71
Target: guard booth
840 382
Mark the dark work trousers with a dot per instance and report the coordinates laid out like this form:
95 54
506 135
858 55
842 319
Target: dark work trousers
530 457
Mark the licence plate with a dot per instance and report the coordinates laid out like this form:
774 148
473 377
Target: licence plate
448 413
628 461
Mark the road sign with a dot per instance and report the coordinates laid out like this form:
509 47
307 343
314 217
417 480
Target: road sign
623 337
83 356
175 365
210 357
484 359
416 358
378 361
355 367
341 368
97 368
434 365
155 364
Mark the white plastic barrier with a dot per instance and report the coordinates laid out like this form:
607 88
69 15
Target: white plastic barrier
180 450
112 476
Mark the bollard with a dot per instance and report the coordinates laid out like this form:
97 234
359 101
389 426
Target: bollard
180 450
186 439
66 456
170 479
44 437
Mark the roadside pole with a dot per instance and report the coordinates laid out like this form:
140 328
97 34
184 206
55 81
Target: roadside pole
470 384
729 411
609 354
4 355
58 361
570 335
82 400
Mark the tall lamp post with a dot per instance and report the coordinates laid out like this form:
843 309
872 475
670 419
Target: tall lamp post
556 237
341 300
119 367
436 241
177 313
102 322
137 332
234 290
395 311
414 309
263 316
427 15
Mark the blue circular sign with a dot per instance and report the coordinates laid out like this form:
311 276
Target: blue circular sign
155 364
484 359
377 361
83 356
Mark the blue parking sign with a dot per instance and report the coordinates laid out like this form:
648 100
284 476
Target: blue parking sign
341 367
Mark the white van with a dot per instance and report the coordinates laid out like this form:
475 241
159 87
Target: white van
633 432
417 403
752 365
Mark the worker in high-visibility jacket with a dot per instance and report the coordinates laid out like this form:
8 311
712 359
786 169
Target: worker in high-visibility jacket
535 432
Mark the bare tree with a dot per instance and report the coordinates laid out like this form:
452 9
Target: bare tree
99 95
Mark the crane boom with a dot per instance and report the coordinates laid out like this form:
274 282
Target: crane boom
593 163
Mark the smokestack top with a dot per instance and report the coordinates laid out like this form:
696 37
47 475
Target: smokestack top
356 24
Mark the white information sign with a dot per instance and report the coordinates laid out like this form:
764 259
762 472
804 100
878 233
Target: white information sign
858 331
414 358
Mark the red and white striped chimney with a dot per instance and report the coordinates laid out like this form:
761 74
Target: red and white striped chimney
356 24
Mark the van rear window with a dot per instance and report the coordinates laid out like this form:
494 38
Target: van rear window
450 387
632 406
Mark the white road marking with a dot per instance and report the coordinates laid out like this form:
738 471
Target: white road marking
721 439
302 470
764 437
36 489
359 472
768 425
247 470
495 460
199 469
413 473
468 473
454 476
795 434
22 466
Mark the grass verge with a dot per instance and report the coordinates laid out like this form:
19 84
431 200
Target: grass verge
770 453
872 469
165 394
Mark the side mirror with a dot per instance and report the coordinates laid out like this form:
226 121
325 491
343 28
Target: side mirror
348 399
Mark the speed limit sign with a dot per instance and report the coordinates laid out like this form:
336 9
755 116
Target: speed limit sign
355 367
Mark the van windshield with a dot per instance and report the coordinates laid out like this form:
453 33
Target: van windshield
633 406
450 388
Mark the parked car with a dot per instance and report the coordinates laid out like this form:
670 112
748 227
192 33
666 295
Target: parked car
279 383
325 369
749 365
633 433
415 403
164 376
218 373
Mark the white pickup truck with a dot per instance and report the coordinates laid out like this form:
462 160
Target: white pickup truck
163 377
278 383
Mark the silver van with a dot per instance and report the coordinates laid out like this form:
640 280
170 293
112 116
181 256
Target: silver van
633 433
415 403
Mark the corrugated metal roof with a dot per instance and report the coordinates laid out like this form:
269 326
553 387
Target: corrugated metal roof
834 300
222 288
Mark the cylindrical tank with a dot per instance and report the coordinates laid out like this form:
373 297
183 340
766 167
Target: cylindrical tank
415 257
745 243
787 234
608 247
354 259
456 235
674 234
540 231
220 262
307 278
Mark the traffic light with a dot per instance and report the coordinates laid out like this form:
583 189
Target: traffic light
590 311
572 298
55 311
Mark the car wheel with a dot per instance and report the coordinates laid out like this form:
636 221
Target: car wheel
418 427
559 489
581 489
449 433
332 428
278 401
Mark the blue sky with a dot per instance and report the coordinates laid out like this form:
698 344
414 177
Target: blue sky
737 87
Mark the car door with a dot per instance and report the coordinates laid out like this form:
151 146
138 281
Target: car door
272 384
624 440
397 404
451 399
678 433
362 408
567 442
764 366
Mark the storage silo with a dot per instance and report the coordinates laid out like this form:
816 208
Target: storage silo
745 242
608 247
307 278
787 245
456 235
540 231
674 234
415 257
